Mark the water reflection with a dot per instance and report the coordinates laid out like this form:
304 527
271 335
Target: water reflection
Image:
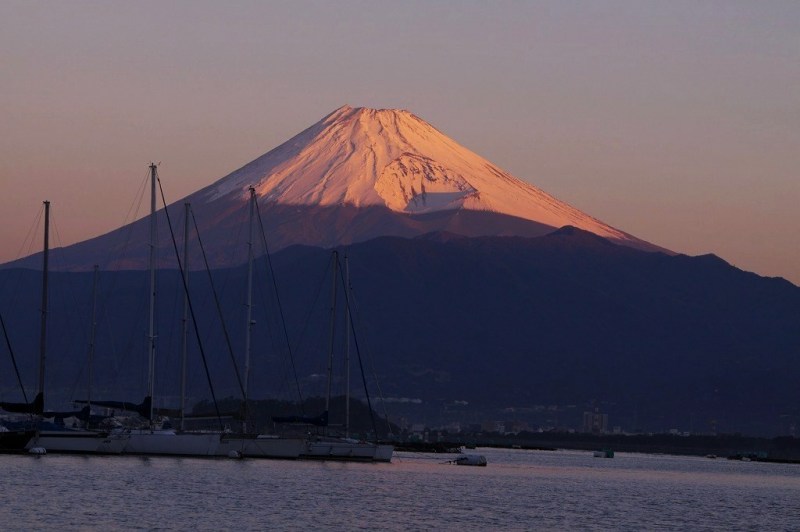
518 490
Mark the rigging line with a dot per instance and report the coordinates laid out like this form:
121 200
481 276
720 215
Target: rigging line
13 358
191 308
269 326
217 303
173 320
27 243
360 363
137 203
278 299
33 230
285 372
109 294
127 341
309 316
57 239
226 271
63 289
202 298
355 316
85 364
202 301
89 347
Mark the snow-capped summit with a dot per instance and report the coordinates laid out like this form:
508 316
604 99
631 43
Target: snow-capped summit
355 175
391 158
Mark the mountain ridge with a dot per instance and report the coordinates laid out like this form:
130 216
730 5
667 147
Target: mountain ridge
657 341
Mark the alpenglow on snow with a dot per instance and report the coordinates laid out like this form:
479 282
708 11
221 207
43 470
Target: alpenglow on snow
357 174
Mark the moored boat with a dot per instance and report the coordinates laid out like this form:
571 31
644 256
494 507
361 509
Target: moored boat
246 444
149 437
55 437
328 446
470 460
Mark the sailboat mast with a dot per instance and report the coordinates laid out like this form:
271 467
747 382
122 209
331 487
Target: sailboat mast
185 333
347 348
45 271
333 325
249 324
151 326
92 339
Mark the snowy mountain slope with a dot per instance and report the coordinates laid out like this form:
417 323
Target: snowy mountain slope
355 175
391 158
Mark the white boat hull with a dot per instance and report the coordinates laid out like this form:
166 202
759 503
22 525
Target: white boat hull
171 443
87 442
383 453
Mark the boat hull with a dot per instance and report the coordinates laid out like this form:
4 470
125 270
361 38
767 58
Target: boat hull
82 442
471 460
15 441
383 453
347 450
171 443
252 446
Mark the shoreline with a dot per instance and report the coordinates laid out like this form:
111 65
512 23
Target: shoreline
785 449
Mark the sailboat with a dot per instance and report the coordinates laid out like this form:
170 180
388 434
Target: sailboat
151 438
327 447
246 444
61 439
159 440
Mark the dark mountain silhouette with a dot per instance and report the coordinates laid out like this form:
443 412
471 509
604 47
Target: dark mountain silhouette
457 328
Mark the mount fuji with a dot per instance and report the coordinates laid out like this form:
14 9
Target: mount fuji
485 297
355 175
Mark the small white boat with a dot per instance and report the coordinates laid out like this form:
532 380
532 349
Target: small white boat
470 460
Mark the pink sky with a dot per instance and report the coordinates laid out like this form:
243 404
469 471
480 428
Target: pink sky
678 122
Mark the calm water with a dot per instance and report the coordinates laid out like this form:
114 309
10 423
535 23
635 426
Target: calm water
519 490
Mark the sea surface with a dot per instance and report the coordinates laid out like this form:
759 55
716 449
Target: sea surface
518 490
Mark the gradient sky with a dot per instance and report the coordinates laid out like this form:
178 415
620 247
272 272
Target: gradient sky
678 122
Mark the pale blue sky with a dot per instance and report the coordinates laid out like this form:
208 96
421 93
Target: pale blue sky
678 122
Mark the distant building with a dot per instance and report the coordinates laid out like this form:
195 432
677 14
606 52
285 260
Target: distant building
493 426
453 428
418 428
404 424
595 422
515 427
